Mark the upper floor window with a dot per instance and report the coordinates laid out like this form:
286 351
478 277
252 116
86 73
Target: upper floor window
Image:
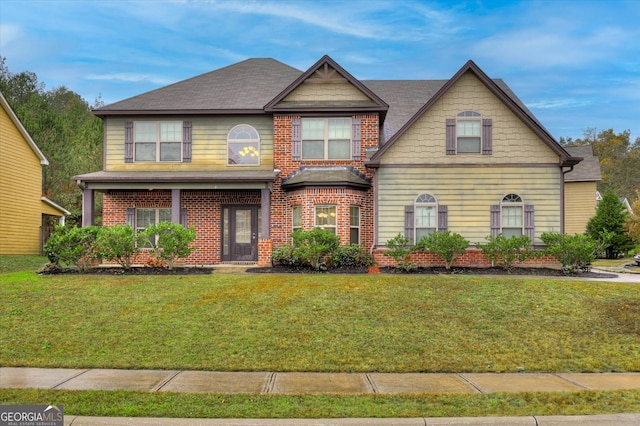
468 132
326 138
426 216
243 146
158 140
511 216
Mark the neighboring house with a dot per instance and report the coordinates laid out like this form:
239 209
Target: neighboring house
579 190
623 200
250 152
24 212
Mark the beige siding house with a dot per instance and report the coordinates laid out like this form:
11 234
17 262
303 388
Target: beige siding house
23 209
250 152
580 190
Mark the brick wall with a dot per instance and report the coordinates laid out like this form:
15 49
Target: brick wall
282 201
203 210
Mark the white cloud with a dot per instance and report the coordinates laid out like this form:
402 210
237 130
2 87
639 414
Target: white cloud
8 34
130 78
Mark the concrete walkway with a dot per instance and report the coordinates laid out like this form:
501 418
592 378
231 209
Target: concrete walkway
324 383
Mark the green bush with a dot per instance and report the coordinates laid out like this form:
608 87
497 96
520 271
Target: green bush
169 241
445 244
314 247
351 256
118 243
286 256
72 246
575 252
400 249
506 252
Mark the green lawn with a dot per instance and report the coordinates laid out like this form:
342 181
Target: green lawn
385 323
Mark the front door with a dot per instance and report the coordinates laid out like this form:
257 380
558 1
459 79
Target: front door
240 233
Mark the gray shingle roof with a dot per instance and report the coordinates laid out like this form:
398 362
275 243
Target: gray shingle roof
326 176
247 85
588 169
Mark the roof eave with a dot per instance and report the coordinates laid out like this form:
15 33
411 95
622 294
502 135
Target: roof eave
138 112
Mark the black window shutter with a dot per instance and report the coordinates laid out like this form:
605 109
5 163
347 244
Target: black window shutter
408 221
128 142
495 220
529 221
443 219
451 136
131 216
186 141
184 220
296 138
356 138
487 136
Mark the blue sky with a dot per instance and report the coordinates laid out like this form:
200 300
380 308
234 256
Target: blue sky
575 63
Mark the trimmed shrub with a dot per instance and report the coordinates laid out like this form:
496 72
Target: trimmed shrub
169 241
400 250
72 246
118 244
286 256
574 252
506 252
445 244
351 256
314 247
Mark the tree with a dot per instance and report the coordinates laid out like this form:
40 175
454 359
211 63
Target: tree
632 224
64 128
607 226
619 159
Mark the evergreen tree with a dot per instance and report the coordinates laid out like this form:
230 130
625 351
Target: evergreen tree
607 226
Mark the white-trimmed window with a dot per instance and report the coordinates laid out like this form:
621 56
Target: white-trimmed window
426 216
468 132
243 146
157 141
512 216
325 218
326 138
354 225
296 217
148 217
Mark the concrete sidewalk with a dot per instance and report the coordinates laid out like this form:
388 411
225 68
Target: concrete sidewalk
324 383
310 383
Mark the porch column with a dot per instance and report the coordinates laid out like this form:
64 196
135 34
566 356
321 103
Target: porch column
175 205
265 206
88 203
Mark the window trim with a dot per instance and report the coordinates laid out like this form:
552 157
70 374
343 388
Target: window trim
255 140
512 200
335 217
158 142
138 229
424 200
468 117
326 139
353 227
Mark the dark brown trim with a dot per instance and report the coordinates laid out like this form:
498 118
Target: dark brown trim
460 165
142 112
565 158
380 106
326 185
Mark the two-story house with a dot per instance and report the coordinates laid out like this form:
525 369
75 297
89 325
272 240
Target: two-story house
26 216
250 152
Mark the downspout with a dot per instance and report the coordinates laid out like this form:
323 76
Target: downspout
375 211
562 206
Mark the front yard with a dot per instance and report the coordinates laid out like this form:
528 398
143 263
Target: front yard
365 323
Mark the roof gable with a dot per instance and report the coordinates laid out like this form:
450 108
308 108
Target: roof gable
493 87
27 137
327 71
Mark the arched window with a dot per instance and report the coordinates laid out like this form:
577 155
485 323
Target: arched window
512 215
243 146
426 215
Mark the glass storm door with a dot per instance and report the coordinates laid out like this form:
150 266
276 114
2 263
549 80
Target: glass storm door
240 233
